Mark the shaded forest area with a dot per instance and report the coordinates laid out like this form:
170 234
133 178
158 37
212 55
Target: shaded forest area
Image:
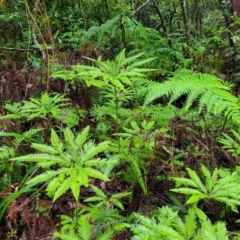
119 119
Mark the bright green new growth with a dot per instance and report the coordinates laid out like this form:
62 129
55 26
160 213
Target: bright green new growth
78 161
225 189
119 72
168 225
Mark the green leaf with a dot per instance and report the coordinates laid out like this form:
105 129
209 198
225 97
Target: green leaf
120 195
76 184
188 191
98 191
63 187
44 148
185 181
52 186
96 174
94 150
69 137
43 158
43 177
196 198
81 138
55 141
193 175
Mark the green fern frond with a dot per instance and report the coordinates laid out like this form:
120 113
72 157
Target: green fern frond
76 159
232 144
223 189
209 91
167 225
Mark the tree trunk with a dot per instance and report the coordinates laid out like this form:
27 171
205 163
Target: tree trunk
186 24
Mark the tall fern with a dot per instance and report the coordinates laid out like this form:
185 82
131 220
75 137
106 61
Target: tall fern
208 91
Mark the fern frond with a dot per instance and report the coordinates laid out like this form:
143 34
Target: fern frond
190 223
209 91
43 159
63 187
224 189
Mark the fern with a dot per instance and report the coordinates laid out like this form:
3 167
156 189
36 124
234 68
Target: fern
119 72
225 189
103 199
167 225
76 158
136 143
231 144
209 91
97 34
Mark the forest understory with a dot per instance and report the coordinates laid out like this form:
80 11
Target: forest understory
119 120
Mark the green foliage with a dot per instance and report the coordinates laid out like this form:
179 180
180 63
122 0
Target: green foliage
153 141
231 144
70 226
207 90
12 172
224 189
167 225
53 106
46 106
166 49
103 199
119 73
97 34
136 145
77 160
80 228
99 221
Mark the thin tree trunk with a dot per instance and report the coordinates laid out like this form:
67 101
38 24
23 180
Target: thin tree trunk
186 25
227 9
160 17
198 18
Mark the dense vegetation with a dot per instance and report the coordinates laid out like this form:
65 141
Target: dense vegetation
119 119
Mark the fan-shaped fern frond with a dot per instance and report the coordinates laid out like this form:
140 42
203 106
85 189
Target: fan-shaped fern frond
76 157
209 91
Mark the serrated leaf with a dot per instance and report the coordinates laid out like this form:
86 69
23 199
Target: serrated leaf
43 177
93 199
120 195
69 138
98 191
185 181
44 148
76 188
63 187
55 141
81 137
196 198
92 151
96 174
118 204
187 191
193 175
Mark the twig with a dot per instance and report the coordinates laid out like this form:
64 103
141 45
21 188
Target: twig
140 7
13 49
43 41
